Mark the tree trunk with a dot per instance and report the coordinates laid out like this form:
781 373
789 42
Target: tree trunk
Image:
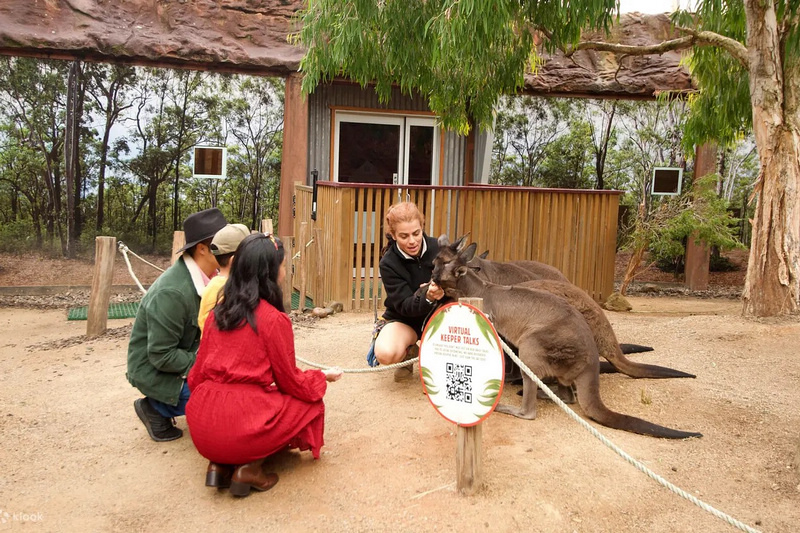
101 176
771 285
773 272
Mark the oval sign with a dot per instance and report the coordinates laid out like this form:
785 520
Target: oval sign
461 364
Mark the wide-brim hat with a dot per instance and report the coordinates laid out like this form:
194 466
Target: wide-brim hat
201 226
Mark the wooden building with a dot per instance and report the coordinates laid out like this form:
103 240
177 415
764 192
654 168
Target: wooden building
366 154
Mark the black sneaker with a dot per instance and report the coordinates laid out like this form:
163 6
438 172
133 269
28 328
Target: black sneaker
160 428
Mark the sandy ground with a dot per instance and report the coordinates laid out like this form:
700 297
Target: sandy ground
75 457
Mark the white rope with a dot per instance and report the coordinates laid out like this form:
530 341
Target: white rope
381 368
143 259
652 475
124 249
297 255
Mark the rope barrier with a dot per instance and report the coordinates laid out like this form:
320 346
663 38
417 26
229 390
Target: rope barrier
297 255
142 259
649 473
124 249
381 368
602 438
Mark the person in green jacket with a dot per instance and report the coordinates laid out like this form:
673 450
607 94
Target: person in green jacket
165 334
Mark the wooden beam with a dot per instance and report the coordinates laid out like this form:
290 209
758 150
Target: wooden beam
698 253
294 160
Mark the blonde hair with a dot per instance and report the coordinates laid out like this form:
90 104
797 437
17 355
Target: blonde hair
400 213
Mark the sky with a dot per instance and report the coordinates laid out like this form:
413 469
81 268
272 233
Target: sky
651 6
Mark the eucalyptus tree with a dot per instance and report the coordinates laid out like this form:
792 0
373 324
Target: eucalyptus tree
254 117
523 128
463 54
33 97
190 104
568 160
151 141
22 201
109 88
746 58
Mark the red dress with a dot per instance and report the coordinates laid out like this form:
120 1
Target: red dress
248 398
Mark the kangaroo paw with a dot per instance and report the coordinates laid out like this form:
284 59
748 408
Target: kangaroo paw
515 411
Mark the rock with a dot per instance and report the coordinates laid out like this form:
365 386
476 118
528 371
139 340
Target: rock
617 302
319 312
248 36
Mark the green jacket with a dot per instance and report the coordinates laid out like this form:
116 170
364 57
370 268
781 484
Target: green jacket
165 335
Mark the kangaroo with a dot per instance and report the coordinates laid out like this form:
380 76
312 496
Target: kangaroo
552 337
603 333
521 272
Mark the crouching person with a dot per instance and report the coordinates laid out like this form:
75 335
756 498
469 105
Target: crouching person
248 398
165 335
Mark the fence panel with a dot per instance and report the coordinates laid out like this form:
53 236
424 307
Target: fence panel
573 230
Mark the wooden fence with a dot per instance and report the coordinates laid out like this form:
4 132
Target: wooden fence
573 230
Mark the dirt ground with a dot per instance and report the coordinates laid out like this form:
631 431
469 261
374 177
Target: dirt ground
74 455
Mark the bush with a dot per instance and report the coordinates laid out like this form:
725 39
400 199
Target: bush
17 237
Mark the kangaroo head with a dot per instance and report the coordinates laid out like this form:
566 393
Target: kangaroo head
451 263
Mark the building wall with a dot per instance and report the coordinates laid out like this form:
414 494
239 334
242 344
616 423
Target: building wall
354 97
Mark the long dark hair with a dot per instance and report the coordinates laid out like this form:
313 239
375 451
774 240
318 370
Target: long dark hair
254 277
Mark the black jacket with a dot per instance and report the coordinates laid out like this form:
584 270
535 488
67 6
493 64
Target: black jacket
402 277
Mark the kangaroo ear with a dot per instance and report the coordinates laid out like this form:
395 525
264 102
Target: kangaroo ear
459 244
461 271
444 240
468 253
484 255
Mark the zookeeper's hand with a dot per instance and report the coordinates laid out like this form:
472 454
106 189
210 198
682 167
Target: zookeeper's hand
332 374
434 292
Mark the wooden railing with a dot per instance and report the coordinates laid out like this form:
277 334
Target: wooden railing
573 230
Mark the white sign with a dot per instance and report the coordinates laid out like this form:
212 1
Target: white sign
461 364
210 162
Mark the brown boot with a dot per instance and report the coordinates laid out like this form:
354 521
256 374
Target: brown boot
218 475
404 373
251 476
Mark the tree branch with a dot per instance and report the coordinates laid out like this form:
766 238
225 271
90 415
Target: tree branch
695 38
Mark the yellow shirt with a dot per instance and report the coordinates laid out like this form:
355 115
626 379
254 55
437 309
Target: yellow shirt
209 299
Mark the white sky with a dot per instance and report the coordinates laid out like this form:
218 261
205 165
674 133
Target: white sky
652 6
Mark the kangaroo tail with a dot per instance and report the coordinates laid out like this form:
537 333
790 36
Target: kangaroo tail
634 348
588 387
641 370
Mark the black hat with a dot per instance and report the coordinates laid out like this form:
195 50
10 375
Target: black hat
201 226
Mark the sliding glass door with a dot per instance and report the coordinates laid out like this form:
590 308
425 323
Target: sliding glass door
385 148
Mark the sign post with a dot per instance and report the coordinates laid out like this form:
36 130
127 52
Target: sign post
461 367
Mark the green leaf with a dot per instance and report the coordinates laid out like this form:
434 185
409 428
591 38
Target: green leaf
435 324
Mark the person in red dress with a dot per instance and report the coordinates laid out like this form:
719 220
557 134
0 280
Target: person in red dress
248 398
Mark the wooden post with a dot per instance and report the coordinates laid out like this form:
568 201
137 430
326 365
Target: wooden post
294 156
266 225
698 253
97 318
319 275
469 464
302 239
288 286
178 240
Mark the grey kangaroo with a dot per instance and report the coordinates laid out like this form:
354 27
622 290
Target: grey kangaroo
552 337
520 272
604 337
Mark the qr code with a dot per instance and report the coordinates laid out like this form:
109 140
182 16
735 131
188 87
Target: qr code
459 383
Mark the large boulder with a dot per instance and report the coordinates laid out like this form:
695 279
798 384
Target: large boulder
250 36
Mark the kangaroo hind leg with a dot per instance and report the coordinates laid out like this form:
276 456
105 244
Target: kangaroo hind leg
529 354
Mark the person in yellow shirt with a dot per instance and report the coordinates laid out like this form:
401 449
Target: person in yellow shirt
223 246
